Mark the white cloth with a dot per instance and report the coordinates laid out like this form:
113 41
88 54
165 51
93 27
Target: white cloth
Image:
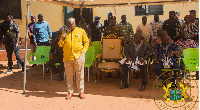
146 30
132 65
167 62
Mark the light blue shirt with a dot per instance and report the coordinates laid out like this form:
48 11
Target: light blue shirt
41 32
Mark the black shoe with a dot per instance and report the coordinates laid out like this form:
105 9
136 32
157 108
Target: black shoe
124 85
8 71
143 87
22 70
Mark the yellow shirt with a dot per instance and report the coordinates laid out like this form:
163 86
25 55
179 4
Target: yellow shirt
76 42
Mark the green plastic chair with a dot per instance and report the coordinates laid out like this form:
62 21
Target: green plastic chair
96 43
42 56
89 56
97 51
191 60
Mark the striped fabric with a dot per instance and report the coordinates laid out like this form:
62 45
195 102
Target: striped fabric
127 31
155 25
186 44
191 29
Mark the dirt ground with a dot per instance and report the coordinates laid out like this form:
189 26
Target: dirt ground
106 94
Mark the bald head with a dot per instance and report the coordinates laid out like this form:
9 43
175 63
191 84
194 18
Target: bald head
165 39
137 37
164 33
159 32
70 23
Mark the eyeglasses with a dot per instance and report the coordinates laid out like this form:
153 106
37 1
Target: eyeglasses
68 24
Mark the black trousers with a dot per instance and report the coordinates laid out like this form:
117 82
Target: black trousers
144 73
60 68
9 49
43 43
159 66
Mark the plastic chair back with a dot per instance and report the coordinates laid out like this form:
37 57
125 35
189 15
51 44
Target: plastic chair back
89 56
191 59
97 50
96 43
42 53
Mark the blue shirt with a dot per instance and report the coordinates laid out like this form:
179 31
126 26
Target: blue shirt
41 32
161 51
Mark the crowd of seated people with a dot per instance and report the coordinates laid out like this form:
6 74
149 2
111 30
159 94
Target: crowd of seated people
166 38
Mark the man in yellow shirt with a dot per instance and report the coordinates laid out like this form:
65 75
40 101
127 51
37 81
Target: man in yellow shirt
75 44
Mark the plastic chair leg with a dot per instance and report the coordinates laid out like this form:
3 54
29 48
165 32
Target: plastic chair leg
191 80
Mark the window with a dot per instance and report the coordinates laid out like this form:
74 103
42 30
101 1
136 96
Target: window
10 6
148 10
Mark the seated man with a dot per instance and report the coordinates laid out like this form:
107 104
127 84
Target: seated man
113 29
164 57
184 42
160 33
133 50
56 56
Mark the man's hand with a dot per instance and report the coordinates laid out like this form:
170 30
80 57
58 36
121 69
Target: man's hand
171 53
63 36
36 45
127 60
142 60
155 60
